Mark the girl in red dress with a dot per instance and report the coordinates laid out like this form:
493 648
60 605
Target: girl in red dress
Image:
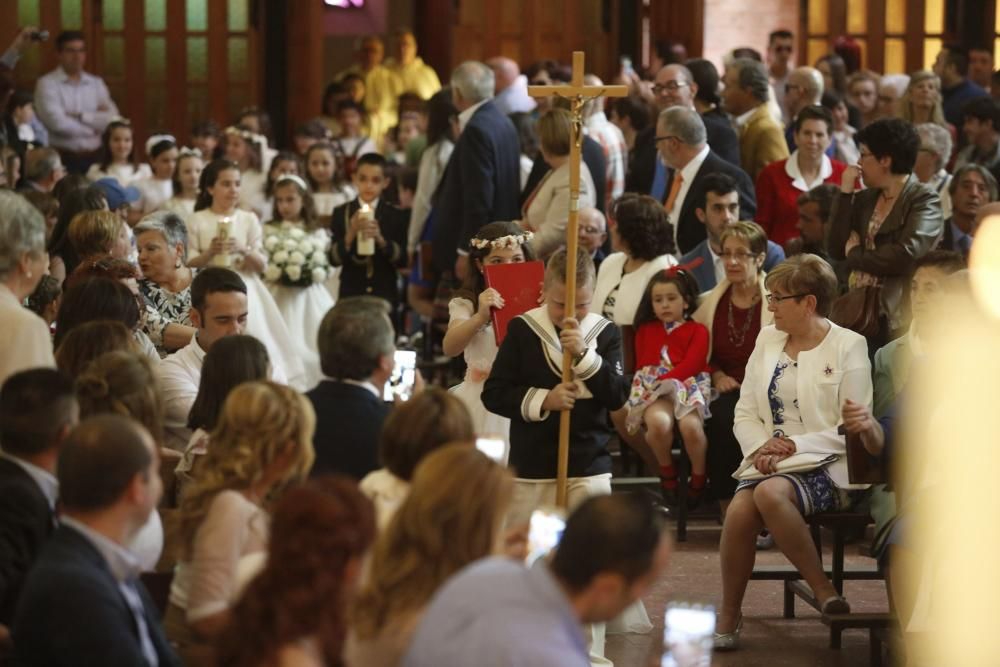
671 380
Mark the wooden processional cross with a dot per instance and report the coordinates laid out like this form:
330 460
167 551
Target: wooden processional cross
578 95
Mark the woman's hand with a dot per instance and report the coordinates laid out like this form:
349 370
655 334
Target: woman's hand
218 246
771 453
724 383
849 178
489 298
853 241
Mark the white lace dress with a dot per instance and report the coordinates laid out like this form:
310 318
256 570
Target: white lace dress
479 356
303 309
264 321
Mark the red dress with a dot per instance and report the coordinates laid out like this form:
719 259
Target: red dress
777 196
670 362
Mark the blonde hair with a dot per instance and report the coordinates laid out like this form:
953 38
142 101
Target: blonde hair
451 518
806 274
258 423
94 232
905 103
123 383
750 233
555 131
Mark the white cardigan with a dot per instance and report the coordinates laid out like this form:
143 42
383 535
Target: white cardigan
833 371
548 211
633 285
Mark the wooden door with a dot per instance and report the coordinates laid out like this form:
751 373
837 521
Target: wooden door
167 63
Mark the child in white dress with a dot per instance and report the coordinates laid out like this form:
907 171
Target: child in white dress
117 156
303 307
321 173
284 163
238 245
161 149
246 149
187 173
469 327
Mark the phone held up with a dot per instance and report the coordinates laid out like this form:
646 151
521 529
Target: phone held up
404 375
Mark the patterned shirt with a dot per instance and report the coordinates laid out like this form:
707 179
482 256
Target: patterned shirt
615 152
163 308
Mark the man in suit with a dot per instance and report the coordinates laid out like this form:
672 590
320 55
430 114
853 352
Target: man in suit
37 410
593 233
680 140
483 179
675 86
718 208
762 139
356 350
83 601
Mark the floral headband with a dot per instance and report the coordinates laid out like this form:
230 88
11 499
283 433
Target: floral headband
293 179
157 138
189 152
510 241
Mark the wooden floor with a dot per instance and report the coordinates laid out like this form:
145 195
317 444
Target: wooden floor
769 640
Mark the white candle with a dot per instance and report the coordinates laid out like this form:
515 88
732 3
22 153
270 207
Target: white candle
222 232
366 244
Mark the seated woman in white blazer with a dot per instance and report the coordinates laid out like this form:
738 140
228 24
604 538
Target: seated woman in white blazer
546 210
799 375
643 241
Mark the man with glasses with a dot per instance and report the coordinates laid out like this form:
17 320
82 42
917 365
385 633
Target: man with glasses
593 232
762 140
780 46
680 140
674 86
74 105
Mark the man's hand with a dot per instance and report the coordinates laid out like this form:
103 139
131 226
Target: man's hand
561 397
23 37
858 420
724 383
571 338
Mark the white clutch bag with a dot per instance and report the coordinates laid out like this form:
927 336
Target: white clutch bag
804 462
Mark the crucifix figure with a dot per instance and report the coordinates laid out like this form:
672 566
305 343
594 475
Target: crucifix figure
578 94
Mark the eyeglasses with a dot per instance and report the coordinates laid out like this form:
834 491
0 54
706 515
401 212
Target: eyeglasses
738 256
657 140
863 154
783 49
672 86
591 230
771 299
789 87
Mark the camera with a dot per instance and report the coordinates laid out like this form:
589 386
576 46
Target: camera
39 36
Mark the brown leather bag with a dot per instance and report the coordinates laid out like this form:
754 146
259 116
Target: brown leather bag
859 310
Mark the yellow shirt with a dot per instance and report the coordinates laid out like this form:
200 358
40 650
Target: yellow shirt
417 77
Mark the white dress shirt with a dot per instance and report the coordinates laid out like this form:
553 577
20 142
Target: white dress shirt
74 112
688 173
46 481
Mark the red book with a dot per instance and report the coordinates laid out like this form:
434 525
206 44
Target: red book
520 286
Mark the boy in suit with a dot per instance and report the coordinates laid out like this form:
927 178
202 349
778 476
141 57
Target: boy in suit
525 385
37 411
369 271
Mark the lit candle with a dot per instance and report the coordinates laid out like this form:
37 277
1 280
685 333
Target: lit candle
366 244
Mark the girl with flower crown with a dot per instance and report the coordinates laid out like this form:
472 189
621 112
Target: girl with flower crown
469 327
246 149
302 306
671 380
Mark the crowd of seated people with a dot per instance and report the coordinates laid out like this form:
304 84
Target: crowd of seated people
198 342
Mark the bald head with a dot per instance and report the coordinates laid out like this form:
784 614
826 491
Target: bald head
593 229
804 87
505 71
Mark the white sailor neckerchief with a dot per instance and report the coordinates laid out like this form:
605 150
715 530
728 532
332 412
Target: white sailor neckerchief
591 326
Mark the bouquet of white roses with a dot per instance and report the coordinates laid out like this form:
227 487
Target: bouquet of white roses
295 258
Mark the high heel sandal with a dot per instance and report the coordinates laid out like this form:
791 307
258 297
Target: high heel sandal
728 641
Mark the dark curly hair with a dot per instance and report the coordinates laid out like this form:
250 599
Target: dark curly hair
893 138
96 298
643 226
318 530
687 286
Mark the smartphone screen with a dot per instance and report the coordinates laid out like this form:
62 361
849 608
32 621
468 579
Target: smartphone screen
544 532
403 376
687 635
493 447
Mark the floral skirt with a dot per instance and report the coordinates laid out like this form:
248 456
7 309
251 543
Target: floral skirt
694 393
814 490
